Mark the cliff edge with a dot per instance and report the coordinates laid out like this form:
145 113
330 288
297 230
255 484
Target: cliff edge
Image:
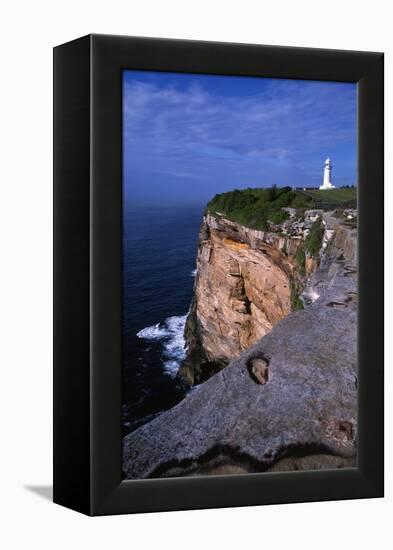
289 401
246 281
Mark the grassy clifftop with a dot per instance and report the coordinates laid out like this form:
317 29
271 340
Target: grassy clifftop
253 207
333 196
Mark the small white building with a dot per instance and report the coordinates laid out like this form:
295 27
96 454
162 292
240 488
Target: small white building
327 174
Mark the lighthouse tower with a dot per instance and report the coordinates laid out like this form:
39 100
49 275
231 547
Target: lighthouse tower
327 182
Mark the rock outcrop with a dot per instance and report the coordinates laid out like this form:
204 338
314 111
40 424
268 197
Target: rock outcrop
302 416
246 281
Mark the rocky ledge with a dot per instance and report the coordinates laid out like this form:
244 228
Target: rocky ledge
287 402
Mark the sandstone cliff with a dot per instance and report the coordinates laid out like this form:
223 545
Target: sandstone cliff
303 415
246 281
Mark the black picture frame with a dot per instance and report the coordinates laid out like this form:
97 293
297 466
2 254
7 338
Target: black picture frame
87 274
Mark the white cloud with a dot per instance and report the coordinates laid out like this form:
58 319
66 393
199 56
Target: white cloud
286 123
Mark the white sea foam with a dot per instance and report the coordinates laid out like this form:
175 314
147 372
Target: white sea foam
193 273
155 332
171 367
171 333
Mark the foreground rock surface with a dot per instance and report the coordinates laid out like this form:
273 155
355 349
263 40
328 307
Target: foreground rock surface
302 417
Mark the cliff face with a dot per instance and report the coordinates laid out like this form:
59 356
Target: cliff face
246 281
287 402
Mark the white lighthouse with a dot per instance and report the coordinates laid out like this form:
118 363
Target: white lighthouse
327 182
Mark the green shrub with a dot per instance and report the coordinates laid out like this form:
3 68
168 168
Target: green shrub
300 258
313 240
296 302
278 216
272 193
302 201
285 198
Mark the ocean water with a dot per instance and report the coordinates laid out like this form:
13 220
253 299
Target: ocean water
159 258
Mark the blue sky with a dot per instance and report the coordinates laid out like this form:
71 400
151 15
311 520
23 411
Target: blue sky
187 137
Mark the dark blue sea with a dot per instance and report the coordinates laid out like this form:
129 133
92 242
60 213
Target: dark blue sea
159 259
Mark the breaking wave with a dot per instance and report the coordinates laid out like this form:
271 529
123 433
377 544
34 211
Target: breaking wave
171 335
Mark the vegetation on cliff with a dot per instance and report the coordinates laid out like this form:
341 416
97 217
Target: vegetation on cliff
311 246
255 207
296 302
300 258
313 240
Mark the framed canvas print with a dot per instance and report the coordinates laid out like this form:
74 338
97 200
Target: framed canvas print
218 275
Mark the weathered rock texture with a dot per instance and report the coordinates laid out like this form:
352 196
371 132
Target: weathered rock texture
302 417
244 284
